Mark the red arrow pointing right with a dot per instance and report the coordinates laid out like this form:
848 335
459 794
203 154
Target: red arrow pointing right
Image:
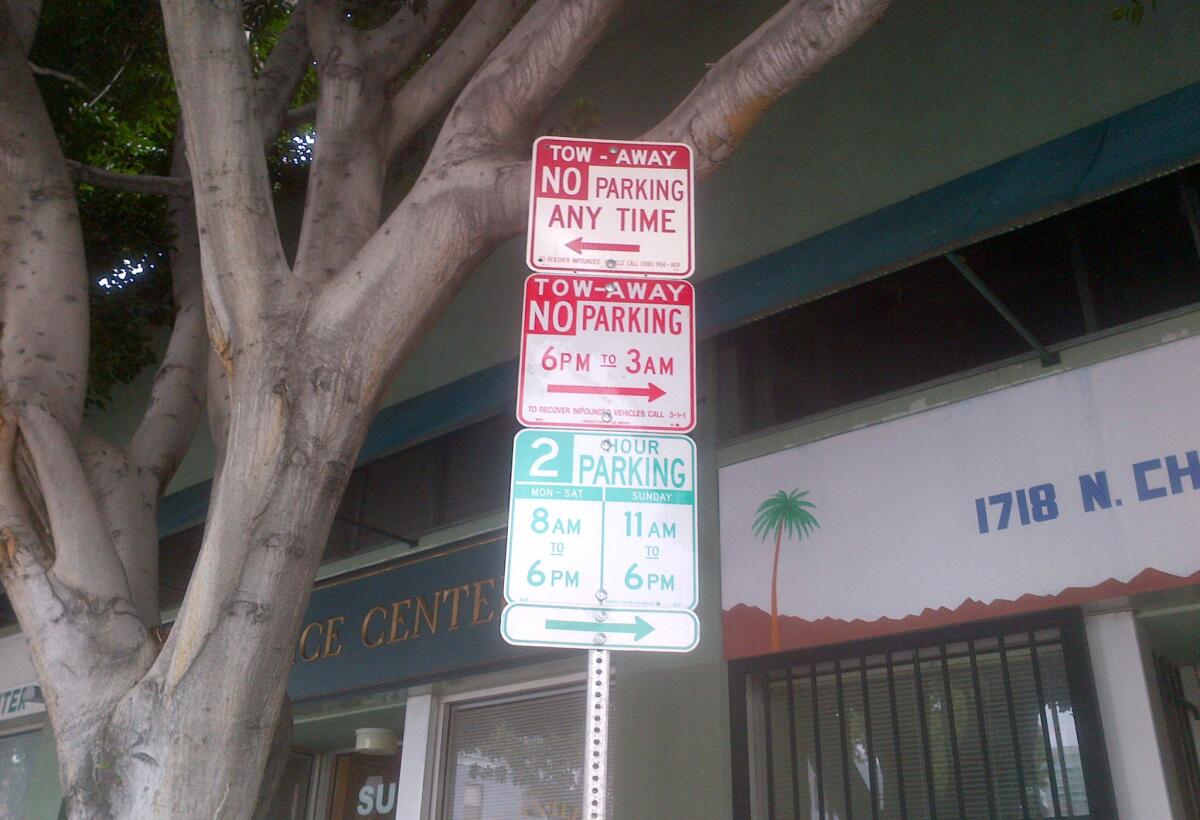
651 391
579 246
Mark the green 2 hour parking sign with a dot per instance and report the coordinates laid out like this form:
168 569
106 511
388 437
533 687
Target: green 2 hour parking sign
602 541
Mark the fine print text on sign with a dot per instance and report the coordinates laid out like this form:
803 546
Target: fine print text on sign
602 206
602 531
608 353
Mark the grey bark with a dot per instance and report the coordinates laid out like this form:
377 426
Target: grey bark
296 361
134 183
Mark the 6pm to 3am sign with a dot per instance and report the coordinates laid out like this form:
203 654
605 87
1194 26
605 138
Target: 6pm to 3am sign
608 353
602 542
616 207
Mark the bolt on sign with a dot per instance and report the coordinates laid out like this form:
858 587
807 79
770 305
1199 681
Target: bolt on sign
617 207
607 353
602 542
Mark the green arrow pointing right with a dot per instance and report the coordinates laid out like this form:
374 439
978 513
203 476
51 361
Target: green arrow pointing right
640 628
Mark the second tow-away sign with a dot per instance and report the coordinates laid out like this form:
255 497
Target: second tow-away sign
602 206
608 353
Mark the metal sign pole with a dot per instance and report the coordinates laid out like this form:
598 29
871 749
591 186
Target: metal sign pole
599 667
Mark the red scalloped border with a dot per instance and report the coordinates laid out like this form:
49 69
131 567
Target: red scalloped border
747 628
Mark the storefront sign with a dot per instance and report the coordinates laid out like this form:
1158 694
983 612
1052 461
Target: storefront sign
602 519
433 615
608 354
603 206
21 701
1078 486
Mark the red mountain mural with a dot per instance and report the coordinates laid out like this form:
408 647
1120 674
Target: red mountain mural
747 629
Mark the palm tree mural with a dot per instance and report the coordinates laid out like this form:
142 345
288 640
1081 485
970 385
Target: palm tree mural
783 512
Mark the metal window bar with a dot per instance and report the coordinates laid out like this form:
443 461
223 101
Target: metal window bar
1012 725
981 719
841 716
887 793
816 723
958 780
923 720
896 746
1041 700
791 702
1062 762
866 696
767 722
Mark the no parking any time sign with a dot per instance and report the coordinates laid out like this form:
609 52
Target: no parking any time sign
600 206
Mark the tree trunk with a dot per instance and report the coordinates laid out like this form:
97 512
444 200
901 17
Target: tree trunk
775 591
293 435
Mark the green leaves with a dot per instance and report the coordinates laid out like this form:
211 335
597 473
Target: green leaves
785 512
112 100
1132 12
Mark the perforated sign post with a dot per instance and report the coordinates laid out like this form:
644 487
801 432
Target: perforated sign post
608 354
602 542
616 207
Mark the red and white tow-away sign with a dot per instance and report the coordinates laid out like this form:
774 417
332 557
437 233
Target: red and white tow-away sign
608 353
616 207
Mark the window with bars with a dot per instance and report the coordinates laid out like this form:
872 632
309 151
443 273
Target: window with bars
982 726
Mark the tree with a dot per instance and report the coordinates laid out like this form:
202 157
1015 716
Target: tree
782 512
291 360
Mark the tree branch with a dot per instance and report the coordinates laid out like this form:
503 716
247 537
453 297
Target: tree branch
795 43
113 81
177 397
24 16
218 404
435 83
42 270
133 183
58 75
391 47
722 108
298 116
499 108
345 181
244 264
68 629
84 558
276 84
129 519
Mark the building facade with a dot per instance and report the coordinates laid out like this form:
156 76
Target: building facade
948 295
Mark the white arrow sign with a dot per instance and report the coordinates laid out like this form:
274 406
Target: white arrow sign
596 628
605 206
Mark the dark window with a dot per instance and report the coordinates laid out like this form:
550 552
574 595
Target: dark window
7 615
443 481
439 482
984 724
1120 259
177 554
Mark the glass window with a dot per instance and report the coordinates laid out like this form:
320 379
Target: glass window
17 753
291 798
364 786
978 728
521 757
